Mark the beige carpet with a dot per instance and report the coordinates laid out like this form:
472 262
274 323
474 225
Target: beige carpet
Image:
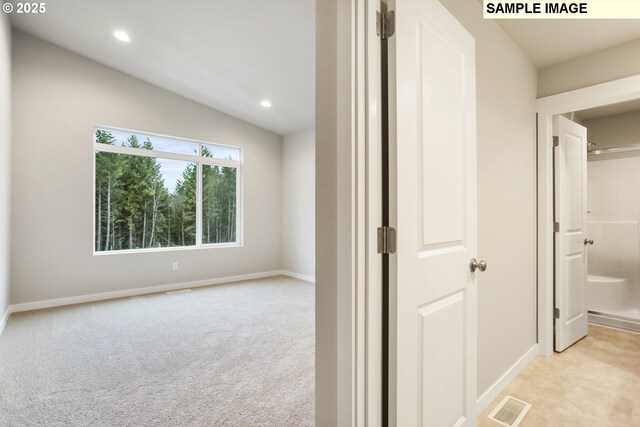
229 355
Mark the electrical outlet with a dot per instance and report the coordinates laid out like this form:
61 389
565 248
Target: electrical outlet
175 266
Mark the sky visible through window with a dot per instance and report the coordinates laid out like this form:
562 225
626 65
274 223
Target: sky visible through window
149 199
171 172
172 169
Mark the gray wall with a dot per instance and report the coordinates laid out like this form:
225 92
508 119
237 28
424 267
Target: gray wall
599 67
298 202
327 99
506 93
58 97
5 159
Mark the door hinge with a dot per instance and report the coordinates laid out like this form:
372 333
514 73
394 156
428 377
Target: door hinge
386 240
385 24
556 141
556 227
556 313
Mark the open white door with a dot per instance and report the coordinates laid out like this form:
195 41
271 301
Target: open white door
570 159
433 342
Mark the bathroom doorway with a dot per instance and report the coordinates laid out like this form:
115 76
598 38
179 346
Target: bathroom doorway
612 292
599 276
597 220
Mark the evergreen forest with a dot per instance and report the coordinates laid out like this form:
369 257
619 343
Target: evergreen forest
134 209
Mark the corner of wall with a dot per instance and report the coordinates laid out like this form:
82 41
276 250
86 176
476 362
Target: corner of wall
282 198
298 216
5 168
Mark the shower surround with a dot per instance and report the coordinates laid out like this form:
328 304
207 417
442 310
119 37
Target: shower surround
613 287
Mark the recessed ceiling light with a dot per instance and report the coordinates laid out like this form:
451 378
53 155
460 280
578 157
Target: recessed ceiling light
266 103
122 36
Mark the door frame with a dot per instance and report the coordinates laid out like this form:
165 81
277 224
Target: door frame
348 188
612 92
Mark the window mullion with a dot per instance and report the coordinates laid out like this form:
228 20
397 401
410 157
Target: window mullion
218 219
199 198
118 149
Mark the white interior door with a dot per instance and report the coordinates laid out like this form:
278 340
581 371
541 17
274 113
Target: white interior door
570 159
433 340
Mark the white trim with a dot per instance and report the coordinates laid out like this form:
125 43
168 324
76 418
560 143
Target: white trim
199 162
369 219
162 135
141 152
613 92
170 248
622 90
341 134
614 323
497 387
304 277
5 318
199 188
58 302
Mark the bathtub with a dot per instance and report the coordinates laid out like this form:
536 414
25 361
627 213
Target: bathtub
605 294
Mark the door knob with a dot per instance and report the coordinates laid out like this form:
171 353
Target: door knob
588 242
477 265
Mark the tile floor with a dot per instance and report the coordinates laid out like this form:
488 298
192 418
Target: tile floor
595 382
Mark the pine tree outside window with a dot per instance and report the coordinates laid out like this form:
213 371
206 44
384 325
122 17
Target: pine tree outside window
154 192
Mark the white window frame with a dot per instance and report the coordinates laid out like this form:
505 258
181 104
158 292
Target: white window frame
199 161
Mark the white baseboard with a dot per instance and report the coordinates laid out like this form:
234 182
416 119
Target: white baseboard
614 322
298 276
36 305
497 387
5 317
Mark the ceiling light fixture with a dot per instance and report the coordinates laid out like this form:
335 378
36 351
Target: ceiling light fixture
122 36
266 103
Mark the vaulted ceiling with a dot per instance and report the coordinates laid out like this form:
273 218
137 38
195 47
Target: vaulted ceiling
231 55
228 55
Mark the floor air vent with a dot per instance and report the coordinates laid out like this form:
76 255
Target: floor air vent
510 411
180 291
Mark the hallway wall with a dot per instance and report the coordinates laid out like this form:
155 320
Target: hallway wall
506 94
5 161
599 67
298 203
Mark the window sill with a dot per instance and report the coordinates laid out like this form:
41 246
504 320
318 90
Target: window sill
171 249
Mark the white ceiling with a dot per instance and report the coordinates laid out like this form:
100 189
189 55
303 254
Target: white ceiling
549 42
228 55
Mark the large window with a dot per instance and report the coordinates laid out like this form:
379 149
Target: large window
154 192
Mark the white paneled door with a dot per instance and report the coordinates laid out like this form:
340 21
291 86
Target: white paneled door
570 160
433 342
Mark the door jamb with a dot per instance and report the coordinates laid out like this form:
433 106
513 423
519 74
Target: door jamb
612 92
342 247
359 266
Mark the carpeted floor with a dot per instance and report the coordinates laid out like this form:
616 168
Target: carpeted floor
240 354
